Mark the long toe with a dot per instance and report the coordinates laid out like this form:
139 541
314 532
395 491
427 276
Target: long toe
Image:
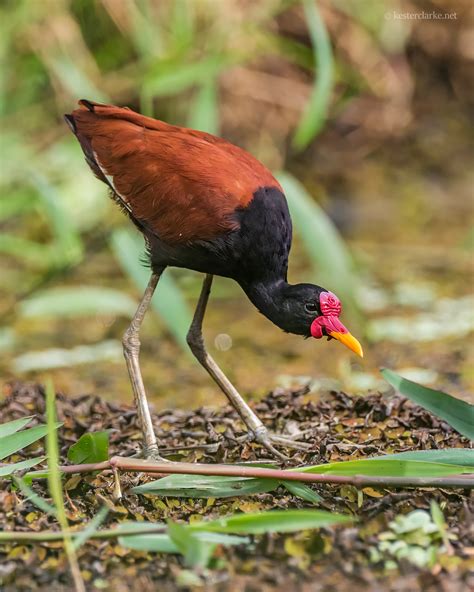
289 442
153 455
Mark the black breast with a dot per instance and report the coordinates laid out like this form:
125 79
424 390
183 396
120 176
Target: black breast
257 251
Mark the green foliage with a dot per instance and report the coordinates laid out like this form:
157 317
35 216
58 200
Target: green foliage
197 486
302 490
202 486
450 456
196 552
33 497
272 521
197 547
55 485
78 301
387 467
315 113
12 440
91 528
458 414
90 448
11 427
21 465
416 537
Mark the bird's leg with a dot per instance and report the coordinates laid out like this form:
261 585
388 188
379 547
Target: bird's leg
131 350
251 420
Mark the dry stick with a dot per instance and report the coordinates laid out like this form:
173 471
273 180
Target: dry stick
258 472
152 468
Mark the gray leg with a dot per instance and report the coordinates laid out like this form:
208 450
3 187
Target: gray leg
196 343
131 350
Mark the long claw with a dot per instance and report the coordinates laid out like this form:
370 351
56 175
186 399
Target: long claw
266 443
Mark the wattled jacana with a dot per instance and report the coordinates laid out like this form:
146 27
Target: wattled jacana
207 205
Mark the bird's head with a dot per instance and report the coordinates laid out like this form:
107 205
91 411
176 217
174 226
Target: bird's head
314 312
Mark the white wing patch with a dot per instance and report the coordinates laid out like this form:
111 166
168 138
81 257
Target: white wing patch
110 181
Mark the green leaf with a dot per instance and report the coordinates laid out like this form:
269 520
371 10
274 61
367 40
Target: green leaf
31 252
11 444
315 114
204 113
169 302
450 456
303 491
33 497
92 447
159 543
8 470
201 486
387 467
67 241
332 261
91 528
169 79
78 301
11 427
458 414
162 543
272 521
196 552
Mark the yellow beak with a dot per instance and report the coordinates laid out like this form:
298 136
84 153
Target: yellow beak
349 341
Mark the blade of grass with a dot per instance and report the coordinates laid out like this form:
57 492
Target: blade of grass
91 528
272 521
315 113
11 444
448 456
69 248
386 467
199 486
33 497
55 486
457 413
196 552
204 112
303 491
31 252
8 470
11 427
171 78
78 301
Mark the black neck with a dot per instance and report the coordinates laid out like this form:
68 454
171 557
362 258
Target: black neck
270 298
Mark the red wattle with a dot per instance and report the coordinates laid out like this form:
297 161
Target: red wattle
323 325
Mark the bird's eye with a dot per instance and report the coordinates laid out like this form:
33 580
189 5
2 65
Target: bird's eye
311 307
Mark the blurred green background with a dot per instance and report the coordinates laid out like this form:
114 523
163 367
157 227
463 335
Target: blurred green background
361 111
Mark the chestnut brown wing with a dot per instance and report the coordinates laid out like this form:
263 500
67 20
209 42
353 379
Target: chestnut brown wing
181 184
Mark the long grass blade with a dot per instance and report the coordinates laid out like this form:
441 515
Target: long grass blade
315 113
55 486
457 413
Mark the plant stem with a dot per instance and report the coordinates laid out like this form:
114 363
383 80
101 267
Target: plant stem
49 535
55 487
152 468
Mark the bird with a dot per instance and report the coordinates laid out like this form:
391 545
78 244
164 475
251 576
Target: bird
204 204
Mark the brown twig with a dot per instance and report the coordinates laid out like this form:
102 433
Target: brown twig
168 468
